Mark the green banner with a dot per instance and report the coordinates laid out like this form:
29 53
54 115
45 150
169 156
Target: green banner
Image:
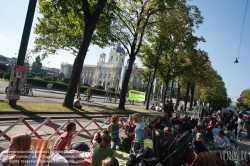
136 95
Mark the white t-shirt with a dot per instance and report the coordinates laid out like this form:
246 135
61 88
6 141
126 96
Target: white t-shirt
222 142
31 161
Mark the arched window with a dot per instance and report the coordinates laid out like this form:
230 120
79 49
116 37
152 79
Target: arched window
122 60
101 75
111 58
90 82
100 82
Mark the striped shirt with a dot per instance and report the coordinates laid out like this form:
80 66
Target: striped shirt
206 158
114 131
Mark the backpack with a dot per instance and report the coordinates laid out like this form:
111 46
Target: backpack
80 146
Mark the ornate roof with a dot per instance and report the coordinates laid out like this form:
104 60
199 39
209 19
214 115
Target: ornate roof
119 49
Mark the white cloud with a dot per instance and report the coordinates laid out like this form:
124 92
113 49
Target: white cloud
55 61
2 38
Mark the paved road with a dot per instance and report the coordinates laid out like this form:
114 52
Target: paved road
45 95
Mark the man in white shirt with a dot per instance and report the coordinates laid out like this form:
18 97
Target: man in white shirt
221 142
215 130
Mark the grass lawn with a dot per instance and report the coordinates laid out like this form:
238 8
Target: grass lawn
26 107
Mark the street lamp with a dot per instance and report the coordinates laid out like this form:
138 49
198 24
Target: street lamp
7 66
236 61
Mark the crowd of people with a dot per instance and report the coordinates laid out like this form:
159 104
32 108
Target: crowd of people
212 131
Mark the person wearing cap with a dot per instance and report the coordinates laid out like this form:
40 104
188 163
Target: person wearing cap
204 157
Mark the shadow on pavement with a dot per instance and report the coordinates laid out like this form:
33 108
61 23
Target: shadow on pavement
26 112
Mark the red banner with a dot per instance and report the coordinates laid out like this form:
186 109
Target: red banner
18 68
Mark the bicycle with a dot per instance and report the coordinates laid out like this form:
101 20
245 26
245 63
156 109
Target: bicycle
24 91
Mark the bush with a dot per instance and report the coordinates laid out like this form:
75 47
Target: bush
39 75
66 80
112 89
100 87
1 74
3 67
6 76
86 85
30 76
47 78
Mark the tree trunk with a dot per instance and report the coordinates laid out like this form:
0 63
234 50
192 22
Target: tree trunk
149 78
186 97
90 21
192 96
79 88
125 82
165 95
171 89
178 96
150 89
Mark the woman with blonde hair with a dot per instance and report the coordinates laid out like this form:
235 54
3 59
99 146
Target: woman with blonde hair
110 161
19 153
141 132
113 129
102 151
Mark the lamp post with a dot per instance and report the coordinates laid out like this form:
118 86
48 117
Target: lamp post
117 89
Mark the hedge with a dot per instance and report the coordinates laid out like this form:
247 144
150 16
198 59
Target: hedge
62 86
6 76
1 74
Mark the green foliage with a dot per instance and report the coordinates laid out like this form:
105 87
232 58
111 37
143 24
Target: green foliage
66 80
1 74
60 76
86 85
111 89
244 100
6 76
30 76
40 75
62 25
47 78
100 87
3 67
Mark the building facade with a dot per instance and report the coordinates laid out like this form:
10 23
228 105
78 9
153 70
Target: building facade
106 74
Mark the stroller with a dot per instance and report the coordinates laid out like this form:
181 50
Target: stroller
166 151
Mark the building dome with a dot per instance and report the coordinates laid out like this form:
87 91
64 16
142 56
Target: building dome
119 49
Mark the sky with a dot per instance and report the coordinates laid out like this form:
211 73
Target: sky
222 27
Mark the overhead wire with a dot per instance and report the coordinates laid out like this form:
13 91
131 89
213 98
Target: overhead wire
242 29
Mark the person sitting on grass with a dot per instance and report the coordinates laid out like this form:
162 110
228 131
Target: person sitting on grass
97 138
19 153
77 103
113 129
102 151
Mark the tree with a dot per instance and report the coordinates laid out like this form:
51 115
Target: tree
151 56
244 100
71 25
134 21
60 76
37 65
3 67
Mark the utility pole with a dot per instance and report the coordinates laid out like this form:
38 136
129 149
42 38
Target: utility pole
25 37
